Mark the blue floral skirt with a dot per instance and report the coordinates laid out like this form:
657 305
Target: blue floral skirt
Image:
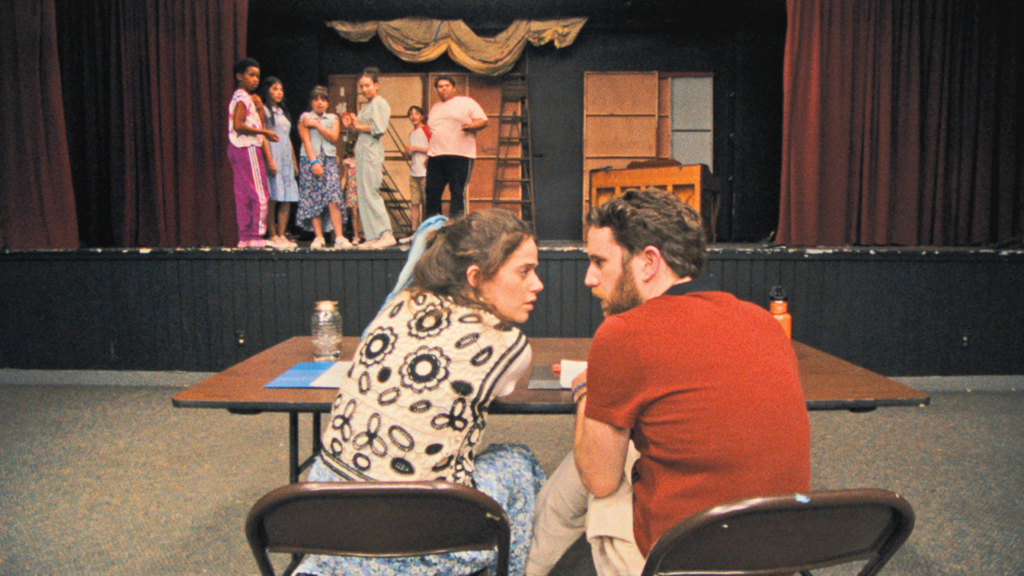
315 193
508 473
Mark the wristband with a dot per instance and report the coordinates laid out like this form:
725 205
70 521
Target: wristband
314 161
578 386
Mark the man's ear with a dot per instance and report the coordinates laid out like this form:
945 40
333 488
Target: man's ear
650 263
473 275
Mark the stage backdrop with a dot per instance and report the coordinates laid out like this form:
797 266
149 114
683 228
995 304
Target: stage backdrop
146 90
903 123
37 205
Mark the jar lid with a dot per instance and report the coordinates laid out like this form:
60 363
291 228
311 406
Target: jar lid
327 305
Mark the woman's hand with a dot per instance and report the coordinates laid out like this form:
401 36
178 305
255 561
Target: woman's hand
348 119
318 170
270 135
271 168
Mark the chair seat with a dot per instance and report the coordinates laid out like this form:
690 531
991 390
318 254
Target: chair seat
792 533
385 519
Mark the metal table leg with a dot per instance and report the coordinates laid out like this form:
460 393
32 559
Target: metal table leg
293 447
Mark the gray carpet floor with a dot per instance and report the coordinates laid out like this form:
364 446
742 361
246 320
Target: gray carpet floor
113 480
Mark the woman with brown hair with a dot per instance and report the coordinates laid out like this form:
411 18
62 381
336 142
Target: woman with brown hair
414 405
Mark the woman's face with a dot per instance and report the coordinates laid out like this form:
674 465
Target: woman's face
415 116
319 105
513 290
249 80
276 93
367 87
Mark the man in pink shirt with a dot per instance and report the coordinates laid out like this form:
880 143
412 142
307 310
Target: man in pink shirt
453 123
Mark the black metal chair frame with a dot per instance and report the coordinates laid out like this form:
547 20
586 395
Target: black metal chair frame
786 534
388 519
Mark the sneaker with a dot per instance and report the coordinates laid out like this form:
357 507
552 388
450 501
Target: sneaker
317 243
342 242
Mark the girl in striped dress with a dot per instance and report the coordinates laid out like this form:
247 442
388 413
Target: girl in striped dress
245 130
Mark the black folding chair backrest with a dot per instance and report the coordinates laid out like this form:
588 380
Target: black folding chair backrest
386 519
786 534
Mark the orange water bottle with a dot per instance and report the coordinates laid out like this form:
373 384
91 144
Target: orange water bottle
778 309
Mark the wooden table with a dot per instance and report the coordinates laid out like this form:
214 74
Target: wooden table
829 383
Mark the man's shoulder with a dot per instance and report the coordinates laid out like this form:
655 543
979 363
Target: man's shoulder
665 312
465 102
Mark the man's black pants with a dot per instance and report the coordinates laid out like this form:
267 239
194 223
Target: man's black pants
446 170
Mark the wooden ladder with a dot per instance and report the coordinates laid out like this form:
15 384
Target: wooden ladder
513 173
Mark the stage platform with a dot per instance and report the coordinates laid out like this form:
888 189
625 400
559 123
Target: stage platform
896 311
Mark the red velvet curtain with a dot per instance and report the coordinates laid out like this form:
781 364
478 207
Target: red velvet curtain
146 88
37 205
903 123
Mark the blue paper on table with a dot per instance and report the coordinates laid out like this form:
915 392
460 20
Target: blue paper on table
312 375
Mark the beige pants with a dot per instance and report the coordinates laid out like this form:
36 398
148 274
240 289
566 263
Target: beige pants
565 510
416 189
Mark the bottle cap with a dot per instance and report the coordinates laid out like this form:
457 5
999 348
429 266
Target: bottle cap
777 293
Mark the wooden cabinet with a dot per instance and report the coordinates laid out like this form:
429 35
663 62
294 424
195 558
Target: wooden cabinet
693 184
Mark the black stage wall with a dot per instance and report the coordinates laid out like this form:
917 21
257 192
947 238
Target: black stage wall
742 48
900 312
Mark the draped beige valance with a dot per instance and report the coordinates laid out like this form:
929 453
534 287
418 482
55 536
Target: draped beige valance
424 39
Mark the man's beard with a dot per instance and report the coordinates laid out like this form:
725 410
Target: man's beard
625 296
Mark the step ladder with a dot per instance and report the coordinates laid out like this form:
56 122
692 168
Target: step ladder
513 173
397 206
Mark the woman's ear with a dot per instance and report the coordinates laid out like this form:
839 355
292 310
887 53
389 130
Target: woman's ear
473 275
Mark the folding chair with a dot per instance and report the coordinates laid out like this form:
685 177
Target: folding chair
786 534
387 519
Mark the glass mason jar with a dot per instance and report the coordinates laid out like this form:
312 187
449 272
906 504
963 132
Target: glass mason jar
326 330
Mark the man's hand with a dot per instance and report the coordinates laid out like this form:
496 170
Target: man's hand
474 126
579 391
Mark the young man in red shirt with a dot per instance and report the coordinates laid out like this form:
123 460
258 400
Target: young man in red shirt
703 385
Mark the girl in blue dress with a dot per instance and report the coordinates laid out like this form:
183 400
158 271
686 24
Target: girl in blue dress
281 172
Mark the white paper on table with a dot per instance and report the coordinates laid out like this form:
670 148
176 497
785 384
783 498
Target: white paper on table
570 369
333 377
